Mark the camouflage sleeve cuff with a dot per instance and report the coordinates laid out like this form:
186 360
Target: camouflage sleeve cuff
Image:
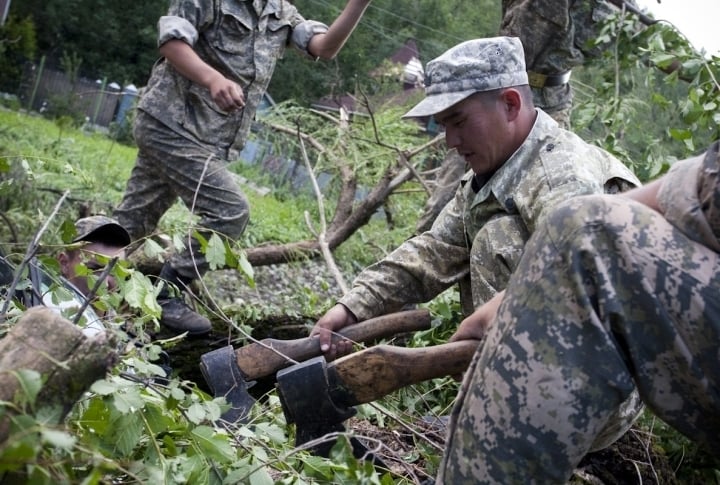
679 200
359 307
171 27
304 31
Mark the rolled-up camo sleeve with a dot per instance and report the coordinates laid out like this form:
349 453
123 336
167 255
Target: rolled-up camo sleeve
304 31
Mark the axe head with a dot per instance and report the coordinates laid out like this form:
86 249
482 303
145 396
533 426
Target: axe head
311 398
223 375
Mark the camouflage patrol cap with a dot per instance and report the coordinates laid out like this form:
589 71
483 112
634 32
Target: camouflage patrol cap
101 229
470 67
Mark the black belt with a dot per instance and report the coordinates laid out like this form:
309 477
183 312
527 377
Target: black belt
537 80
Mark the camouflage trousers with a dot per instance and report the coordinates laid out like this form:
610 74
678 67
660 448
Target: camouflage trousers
609 299
556 101
169 166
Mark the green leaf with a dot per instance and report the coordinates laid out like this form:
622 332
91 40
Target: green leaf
128 401
153 250
157 420
58 439
680 135
215 252
272 431
247 269
30 381
139 292
178 242
127 430
105 388
196 413
214 445
96 417
67 231
17 452
261 477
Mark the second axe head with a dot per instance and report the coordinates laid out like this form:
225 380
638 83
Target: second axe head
230 373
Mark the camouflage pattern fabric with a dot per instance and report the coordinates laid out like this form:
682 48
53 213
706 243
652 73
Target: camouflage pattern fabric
184 140
242 41
542 172
168 167
556 36
451 170
99 228
470 67
611 297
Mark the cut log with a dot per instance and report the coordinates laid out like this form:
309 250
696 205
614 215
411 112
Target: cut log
68 361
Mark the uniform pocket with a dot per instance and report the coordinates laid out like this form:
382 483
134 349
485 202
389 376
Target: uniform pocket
206 121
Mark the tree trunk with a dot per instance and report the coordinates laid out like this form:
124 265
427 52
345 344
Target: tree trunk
68 361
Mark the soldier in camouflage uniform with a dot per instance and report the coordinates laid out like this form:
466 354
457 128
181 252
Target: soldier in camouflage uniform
523 164
614 294
556 36
195 114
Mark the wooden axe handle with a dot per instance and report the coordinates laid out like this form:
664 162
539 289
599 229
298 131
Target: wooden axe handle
373 373
266 357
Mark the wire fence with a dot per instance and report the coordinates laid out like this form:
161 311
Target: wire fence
44 89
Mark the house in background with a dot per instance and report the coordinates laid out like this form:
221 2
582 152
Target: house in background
403 67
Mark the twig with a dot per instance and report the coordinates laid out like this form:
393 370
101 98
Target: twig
322 241
111 264
10 226
31 251
403 156
216 308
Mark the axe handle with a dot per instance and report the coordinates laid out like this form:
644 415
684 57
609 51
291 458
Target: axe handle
370 374
266 357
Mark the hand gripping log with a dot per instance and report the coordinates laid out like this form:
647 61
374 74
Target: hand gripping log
230 373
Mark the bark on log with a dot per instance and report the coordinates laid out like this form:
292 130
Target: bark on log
68 361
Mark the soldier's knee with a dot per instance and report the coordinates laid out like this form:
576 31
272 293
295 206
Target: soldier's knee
240 217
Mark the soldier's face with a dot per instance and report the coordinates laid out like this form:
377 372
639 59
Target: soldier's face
478 128
90 256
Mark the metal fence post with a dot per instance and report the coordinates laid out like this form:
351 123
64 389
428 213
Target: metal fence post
99 100
38 76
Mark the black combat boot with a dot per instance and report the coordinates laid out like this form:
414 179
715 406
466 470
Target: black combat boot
176 314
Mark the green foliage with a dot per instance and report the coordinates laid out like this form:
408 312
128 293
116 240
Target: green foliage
638 111
114 40
139 425
385 27
118 40
18 42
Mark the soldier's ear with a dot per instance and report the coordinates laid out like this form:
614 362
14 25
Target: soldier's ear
512 101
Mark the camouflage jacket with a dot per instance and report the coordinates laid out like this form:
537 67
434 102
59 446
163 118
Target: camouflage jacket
690 197
242 39
551 166
556 34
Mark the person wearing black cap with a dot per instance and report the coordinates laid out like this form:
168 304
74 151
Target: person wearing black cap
97 237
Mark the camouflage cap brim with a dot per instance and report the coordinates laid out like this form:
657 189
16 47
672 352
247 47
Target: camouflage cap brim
470 67
432 105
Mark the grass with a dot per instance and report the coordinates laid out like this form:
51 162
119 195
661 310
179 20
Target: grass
40 159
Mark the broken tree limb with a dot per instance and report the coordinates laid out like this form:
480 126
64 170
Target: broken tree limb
68 361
